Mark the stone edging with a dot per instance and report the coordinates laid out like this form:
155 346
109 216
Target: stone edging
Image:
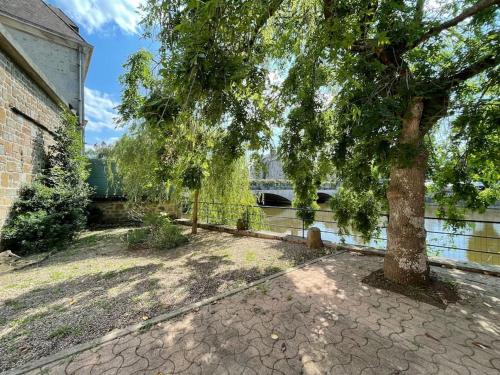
151 322
433 261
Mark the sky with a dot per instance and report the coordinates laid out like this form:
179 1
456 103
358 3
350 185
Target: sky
112 28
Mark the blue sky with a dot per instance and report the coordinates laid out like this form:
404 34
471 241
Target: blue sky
111 26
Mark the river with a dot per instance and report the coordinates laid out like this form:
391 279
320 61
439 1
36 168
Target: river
478 242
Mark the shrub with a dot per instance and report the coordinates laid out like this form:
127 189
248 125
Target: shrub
53 208
45 217
160 233
137 237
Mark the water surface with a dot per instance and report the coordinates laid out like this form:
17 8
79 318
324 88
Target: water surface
478 242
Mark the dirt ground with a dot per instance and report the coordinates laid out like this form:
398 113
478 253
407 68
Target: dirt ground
97 285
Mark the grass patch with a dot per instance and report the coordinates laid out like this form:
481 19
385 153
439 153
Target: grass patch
57 276
59 308
25 320
88 240
109 275
14 304
250 256
64 331
20 285
137 237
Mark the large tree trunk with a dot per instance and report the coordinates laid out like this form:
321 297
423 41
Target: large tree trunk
406 258
194 221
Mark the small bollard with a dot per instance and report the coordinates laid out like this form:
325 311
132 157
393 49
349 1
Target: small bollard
314 238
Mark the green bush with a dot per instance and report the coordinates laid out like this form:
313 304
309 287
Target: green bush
45 217
137 237
53 208
159 233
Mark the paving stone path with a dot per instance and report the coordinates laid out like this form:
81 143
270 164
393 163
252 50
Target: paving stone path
316 320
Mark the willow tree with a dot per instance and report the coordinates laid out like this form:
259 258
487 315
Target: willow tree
366 86
179 115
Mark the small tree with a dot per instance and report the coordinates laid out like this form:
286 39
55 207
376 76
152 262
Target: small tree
53 208
186 103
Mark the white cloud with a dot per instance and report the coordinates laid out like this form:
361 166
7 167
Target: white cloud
99 110
94 15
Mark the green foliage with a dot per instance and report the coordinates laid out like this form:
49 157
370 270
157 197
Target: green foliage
226 196
137 237
66 159
99 151
159 233
349 71
136 160
139 76
194 106
469 155
358 212
52 209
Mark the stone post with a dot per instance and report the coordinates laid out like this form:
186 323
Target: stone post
314 238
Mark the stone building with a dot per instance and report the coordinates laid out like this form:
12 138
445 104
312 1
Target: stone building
43 64
273 169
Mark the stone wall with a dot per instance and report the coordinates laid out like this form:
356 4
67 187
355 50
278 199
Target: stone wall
115 212
23 139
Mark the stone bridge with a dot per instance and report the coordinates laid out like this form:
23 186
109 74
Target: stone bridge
280 192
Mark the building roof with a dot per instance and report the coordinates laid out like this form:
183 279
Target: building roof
37 13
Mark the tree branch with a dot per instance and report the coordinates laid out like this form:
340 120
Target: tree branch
328 9
419 11
450 81
469 12
262 20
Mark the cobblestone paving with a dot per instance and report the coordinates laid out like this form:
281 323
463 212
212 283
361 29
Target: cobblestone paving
316 320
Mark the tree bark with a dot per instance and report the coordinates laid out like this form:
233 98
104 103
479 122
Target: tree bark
406 258
194 221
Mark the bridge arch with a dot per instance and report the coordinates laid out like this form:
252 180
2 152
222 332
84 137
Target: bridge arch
270 199
323 197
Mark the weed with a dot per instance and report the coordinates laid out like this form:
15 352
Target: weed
250 256
146 327
263 288
14 304
88 240
64 331
29 319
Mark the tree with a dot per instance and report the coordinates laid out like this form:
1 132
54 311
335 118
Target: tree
367 88
53 208
177 136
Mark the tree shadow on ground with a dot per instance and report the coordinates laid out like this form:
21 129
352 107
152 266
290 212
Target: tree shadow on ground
205 280
108 243
52 317
94 304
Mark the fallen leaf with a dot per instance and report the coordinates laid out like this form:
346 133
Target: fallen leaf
72 301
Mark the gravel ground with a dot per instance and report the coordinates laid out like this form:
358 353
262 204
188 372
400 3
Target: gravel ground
98 285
